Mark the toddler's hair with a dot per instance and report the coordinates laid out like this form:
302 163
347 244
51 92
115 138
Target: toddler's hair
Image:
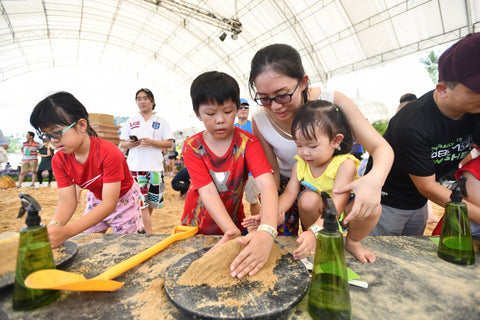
214 87
328 119
59 109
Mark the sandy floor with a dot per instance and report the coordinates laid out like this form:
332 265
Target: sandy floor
163 220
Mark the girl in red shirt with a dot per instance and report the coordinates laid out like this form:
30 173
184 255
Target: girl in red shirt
91 163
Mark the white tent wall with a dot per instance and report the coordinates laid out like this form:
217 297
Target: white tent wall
89 46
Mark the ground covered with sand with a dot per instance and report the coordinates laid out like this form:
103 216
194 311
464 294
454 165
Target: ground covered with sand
163 219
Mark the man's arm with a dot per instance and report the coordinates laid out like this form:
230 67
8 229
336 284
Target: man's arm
437 193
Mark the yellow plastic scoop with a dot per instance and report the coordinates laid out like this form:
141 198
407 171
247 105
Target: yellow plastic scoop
63 280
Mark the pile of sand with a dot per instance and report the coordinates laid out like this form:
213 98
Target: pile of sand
213 268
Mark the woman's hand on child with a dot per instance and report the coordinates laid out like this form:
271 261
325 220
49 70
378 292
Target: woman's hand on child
307 246
253 257
367 197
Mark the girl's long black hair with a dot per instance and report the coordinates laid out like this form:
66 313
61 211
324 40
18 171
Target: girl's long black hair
59 109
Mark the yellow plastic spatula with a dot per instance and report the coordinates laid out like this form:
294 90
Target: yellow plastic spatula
63 280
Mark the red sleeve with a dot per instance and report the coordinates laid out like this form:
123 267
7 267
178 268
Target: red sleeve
472 166
195 163
256 159
59 170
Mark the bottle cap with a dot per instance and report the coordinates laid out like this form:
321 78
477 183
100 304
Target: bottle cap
458 190
31 205
330 212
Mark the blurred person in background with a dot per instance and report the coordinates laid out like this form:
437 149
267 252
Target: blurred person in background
251 191
29 159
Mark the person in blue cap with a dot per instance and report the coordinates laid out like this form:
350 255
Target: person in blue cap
251 191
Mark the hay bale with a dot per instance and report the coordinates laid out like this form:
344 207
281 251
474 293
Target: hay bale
7 182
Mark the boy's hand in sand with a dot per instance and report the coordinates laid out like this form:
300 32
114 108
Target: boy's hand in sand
229 235
307 246
254 256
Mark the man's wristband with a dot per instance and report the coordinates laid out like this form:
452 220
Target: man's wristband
55 222
269 229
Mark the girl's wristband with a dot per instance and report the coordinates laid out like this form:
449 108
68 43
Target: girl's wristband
269 229
55 222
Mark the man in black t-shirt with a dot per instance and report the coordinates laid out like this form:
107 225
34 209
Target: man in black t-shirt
430 136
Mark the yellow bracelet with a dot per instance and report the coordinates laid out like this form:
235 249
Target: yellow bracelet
55 222
269 229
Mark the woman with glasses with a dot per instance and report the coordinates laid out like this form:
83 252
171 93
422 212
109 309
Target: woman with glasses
91 163
281 87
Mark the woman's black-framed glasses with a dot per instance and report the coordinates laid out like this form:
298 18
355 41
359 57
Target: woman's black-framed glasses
281 98
57 135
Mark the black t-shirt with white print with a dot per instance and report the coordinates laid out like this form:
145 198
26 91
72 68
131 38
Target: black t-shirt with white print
425 142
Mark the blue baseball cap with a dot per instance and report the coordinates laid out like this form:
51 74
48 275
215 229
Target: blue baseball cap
244 101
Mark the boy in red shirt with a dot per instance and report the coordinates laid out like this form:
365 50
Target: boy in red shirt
218 160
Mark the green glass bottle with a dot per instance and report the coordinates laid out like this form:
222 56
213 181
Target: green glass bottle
34 253
455 243
329 296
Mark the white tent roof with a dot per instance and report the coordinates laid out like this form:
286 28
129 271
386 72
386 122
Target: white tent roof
170 42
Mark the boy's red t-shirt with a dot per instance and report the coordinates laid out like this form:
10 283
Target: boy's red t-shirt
105 164
229 173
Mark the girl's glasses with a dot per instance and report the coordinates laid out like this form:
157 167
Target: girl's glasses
282 98
57 135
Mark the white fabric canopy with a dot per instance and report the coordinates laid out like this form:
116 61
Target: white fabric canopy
170 42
